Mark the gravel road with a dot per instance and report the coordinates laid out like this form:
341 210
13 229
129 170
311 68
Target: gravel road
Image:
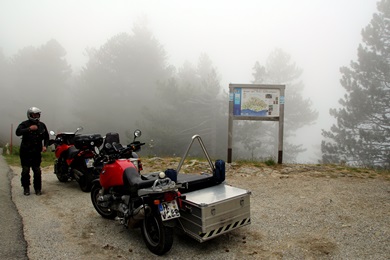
297 211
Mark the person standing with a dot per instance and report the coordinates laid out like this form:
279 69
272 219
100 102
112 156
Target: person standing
35 139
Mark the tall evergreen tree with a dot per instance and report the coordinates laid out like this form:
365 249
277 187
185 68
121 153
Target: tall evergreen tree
119 80
361 135
193 103
6 104
279 69
40 77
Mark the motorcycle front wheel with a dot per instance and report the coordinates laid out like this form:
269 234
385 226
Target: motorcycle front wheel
61 170
157 237
62 178
85 181
103 211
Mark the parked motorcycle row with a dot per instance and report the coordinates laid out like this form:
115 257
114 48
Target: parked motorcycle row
155 202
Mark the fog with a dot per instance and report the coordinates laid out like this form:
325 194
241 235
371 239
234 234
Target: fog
321 36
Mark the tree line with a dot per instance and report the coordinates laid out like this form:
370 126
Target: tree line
127 83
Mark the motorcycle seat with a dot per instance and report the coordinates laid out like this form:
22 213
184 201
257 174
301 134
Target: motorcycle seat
134 181
71 152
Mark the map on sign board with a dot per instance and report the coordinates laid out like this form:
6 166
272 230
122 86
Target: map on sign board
256 102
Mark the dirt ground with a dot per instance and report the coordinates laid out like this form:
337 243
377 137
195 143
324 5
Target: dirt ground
297 212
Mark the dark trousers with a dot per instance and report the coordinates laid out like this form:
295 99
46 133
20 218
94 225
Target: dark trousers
25 179
31 160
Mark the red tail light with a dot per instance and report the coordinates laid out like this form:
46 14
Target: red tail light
179 200
170 196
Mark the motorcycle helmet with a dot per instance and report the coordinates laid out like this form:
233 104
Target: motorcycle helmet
34 114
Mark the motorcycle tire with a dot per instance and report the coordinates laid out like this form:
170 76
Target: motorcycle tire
103 211
85 181
62 178
157 237
61 172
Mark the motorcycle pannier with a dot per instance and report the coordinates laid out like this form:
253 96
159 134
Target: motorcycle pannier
88 141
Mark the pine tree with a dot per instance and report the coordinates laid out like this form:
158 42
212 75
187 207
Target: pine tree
191 103
361 136
120 79
279 69
40 77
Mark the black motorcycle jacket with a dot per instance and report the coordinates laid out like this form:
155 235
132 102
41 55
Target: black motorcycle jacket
32 140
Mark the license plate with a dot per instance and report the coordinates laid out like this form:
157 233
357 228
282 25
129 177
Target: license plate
169 210
89 162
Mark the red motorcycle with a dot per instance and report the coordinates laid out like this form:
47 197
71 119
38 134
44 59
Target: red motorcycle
150 202
75 157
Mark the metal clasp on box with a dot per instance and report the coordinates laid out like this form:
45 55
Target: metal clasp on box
242 202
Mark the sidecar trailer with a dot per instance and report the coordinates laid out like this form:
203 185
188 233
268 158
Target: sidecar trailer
210 207
213 211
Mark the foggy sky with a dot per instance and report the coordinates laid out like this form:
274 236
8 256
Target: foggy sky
320 36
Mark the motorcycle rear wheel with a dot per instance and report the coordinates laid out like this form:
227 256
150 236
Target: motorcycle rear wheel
157 237
103 211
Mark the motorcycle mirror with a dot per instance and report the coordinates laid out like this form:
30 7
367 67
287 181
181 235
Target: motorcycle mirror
52 133
137 133
79 129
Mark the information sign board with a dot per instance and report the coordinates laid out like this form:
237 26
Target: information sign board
256 102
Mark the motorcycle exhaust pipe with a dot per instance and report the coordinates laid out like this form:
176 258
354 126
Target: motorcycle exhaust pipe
138 215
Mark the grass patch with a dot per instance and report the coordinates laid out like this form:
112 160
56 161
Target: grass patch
270 162
353 169
256 163
13 159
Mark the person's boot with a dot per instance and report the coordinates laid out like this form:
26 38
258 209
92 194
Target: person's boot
26 191
38 192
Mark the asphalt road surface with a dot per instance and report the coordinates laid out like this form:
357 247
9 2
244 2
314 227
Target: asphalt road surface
12 242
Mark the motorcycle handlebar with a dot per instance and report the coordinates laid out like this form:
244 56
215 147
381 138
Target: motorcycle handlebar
118 152
136 145
101 159
55 141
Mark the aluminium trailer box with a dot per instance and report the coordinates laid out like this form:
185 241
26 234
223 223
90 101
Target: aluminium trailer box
213 211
